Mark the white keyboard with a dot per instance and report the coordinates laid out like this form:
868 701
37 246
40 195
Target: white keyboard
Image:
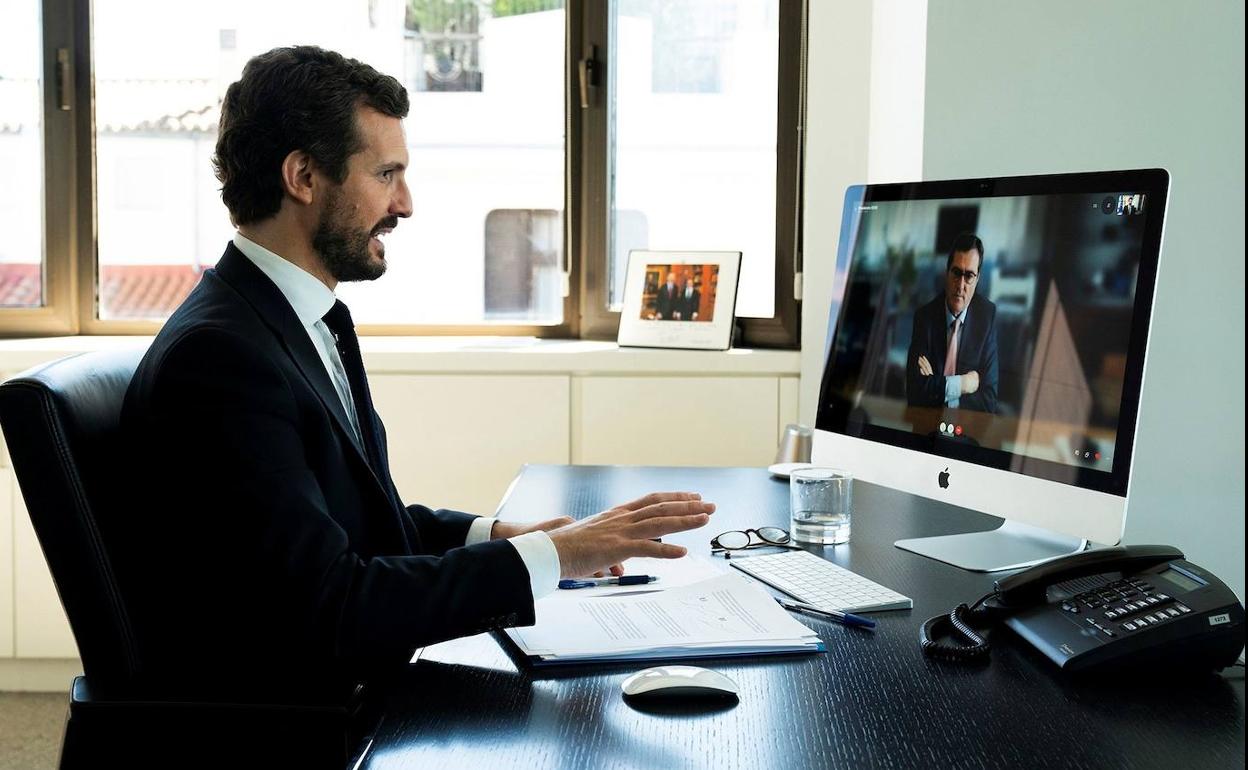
821 583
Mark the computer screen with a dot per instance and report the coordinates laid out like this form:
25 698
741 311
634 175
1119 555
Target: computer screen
997 322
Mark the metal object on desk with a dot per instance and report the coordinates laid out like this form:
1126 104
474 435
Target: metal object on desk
795 444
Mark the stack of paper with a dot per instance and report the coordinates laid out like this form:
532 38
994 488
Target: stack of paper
722 615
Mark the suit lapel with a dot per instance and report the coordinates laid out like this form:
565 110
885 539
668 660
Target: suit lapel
238 271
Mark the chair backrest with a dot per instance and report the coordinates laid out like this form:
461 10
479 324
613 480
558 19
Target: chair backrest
62 425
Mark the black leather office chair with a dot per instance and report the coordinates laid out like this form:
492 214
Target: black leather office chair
61 422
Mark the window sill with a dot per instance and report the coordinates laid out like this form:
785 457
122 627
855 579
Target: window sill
435 355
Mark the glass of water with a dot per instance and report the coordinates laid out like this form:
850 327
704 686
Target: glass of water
820 505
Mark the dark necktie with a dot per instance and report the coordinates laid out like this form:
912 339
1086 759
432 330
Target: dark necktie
338 319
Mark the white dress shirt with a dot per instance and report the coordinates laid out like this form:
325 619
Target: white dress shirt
311 300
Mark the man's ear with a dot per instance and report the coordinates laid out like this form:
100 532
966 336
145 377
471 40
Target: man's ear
297 176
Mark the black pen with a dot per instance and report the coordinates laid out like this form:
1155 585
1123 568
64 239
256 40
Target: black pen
846 618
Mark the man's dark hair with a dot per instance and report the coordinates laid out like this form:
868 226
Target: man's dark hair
299 98
966 242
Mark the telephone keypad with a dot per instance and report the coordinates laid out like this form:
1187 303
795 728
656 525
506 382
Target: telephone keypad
1126 601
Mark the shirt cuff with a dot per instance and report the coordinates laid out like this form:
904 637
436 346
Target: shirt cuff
953 389
479 530
540 558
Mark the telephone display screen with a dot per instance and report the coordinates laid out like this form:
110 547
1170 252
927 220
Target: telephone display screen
998 328
1179 580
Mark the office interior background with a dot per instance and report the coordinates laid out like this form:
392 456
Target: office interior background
897 90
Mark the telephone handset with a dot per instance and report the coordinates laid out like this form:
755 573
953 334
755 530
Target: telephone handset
1105 608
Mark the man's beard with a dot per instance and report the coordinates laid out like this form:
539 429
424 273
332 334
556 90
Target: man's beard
343 248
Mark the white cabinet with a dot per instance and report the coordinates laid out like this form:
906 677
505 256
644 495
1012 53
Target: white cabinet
7 494
457 441
676 420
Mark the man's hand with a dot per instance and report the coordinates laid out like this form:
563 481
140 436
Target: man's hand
505 529
925 367
605 540
970 383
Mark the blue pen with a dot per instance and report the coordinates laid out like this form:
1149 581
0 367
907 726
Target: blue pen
846 618
626 580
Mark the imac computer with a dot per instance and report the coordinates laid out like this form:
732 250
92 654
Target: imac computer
986 348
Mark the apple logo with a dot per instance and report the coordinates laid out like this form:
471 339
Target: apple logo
943 479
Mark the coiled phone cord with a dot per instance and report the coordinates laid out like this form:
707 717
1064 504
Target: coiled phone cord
965 644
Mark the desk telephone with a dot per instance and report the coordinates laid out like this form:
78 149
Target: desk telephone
1104 609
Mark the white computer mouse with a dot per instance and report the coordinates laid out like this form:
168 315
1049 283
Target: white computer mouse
679 681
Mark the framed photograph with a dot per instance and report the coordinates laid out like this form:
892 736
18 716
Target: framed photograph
680 299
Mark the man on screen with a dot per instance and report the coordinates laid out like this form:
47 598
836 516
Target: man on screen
952 360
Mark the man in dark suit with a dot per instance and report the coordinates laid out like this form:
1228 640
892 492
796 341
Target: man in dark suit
667 303
268 543
952 360
690 302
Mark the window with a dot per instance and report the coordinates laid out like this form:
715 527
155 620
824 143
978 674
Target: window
692 135
21 158
529 186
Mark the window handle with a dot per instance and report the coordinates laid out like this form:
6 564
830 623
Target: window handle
63 87
589 75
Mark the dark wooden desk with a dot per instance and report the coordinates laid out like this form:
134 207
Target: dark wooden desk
871 700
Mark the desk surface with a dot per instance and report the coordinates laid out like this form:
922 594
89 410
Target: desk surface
873 699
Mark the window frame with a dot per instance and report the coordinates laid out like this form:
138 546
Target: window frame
71 291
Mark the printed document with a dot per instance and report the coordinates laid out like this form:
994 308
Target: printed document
725 614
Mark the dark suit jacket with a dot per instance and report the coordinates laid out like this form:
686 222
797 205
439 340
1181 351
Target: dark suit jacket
690 305
977 351
667 302
263 546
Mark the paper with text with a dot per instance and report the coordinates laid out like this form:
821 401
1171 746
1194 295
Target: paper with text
721 611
